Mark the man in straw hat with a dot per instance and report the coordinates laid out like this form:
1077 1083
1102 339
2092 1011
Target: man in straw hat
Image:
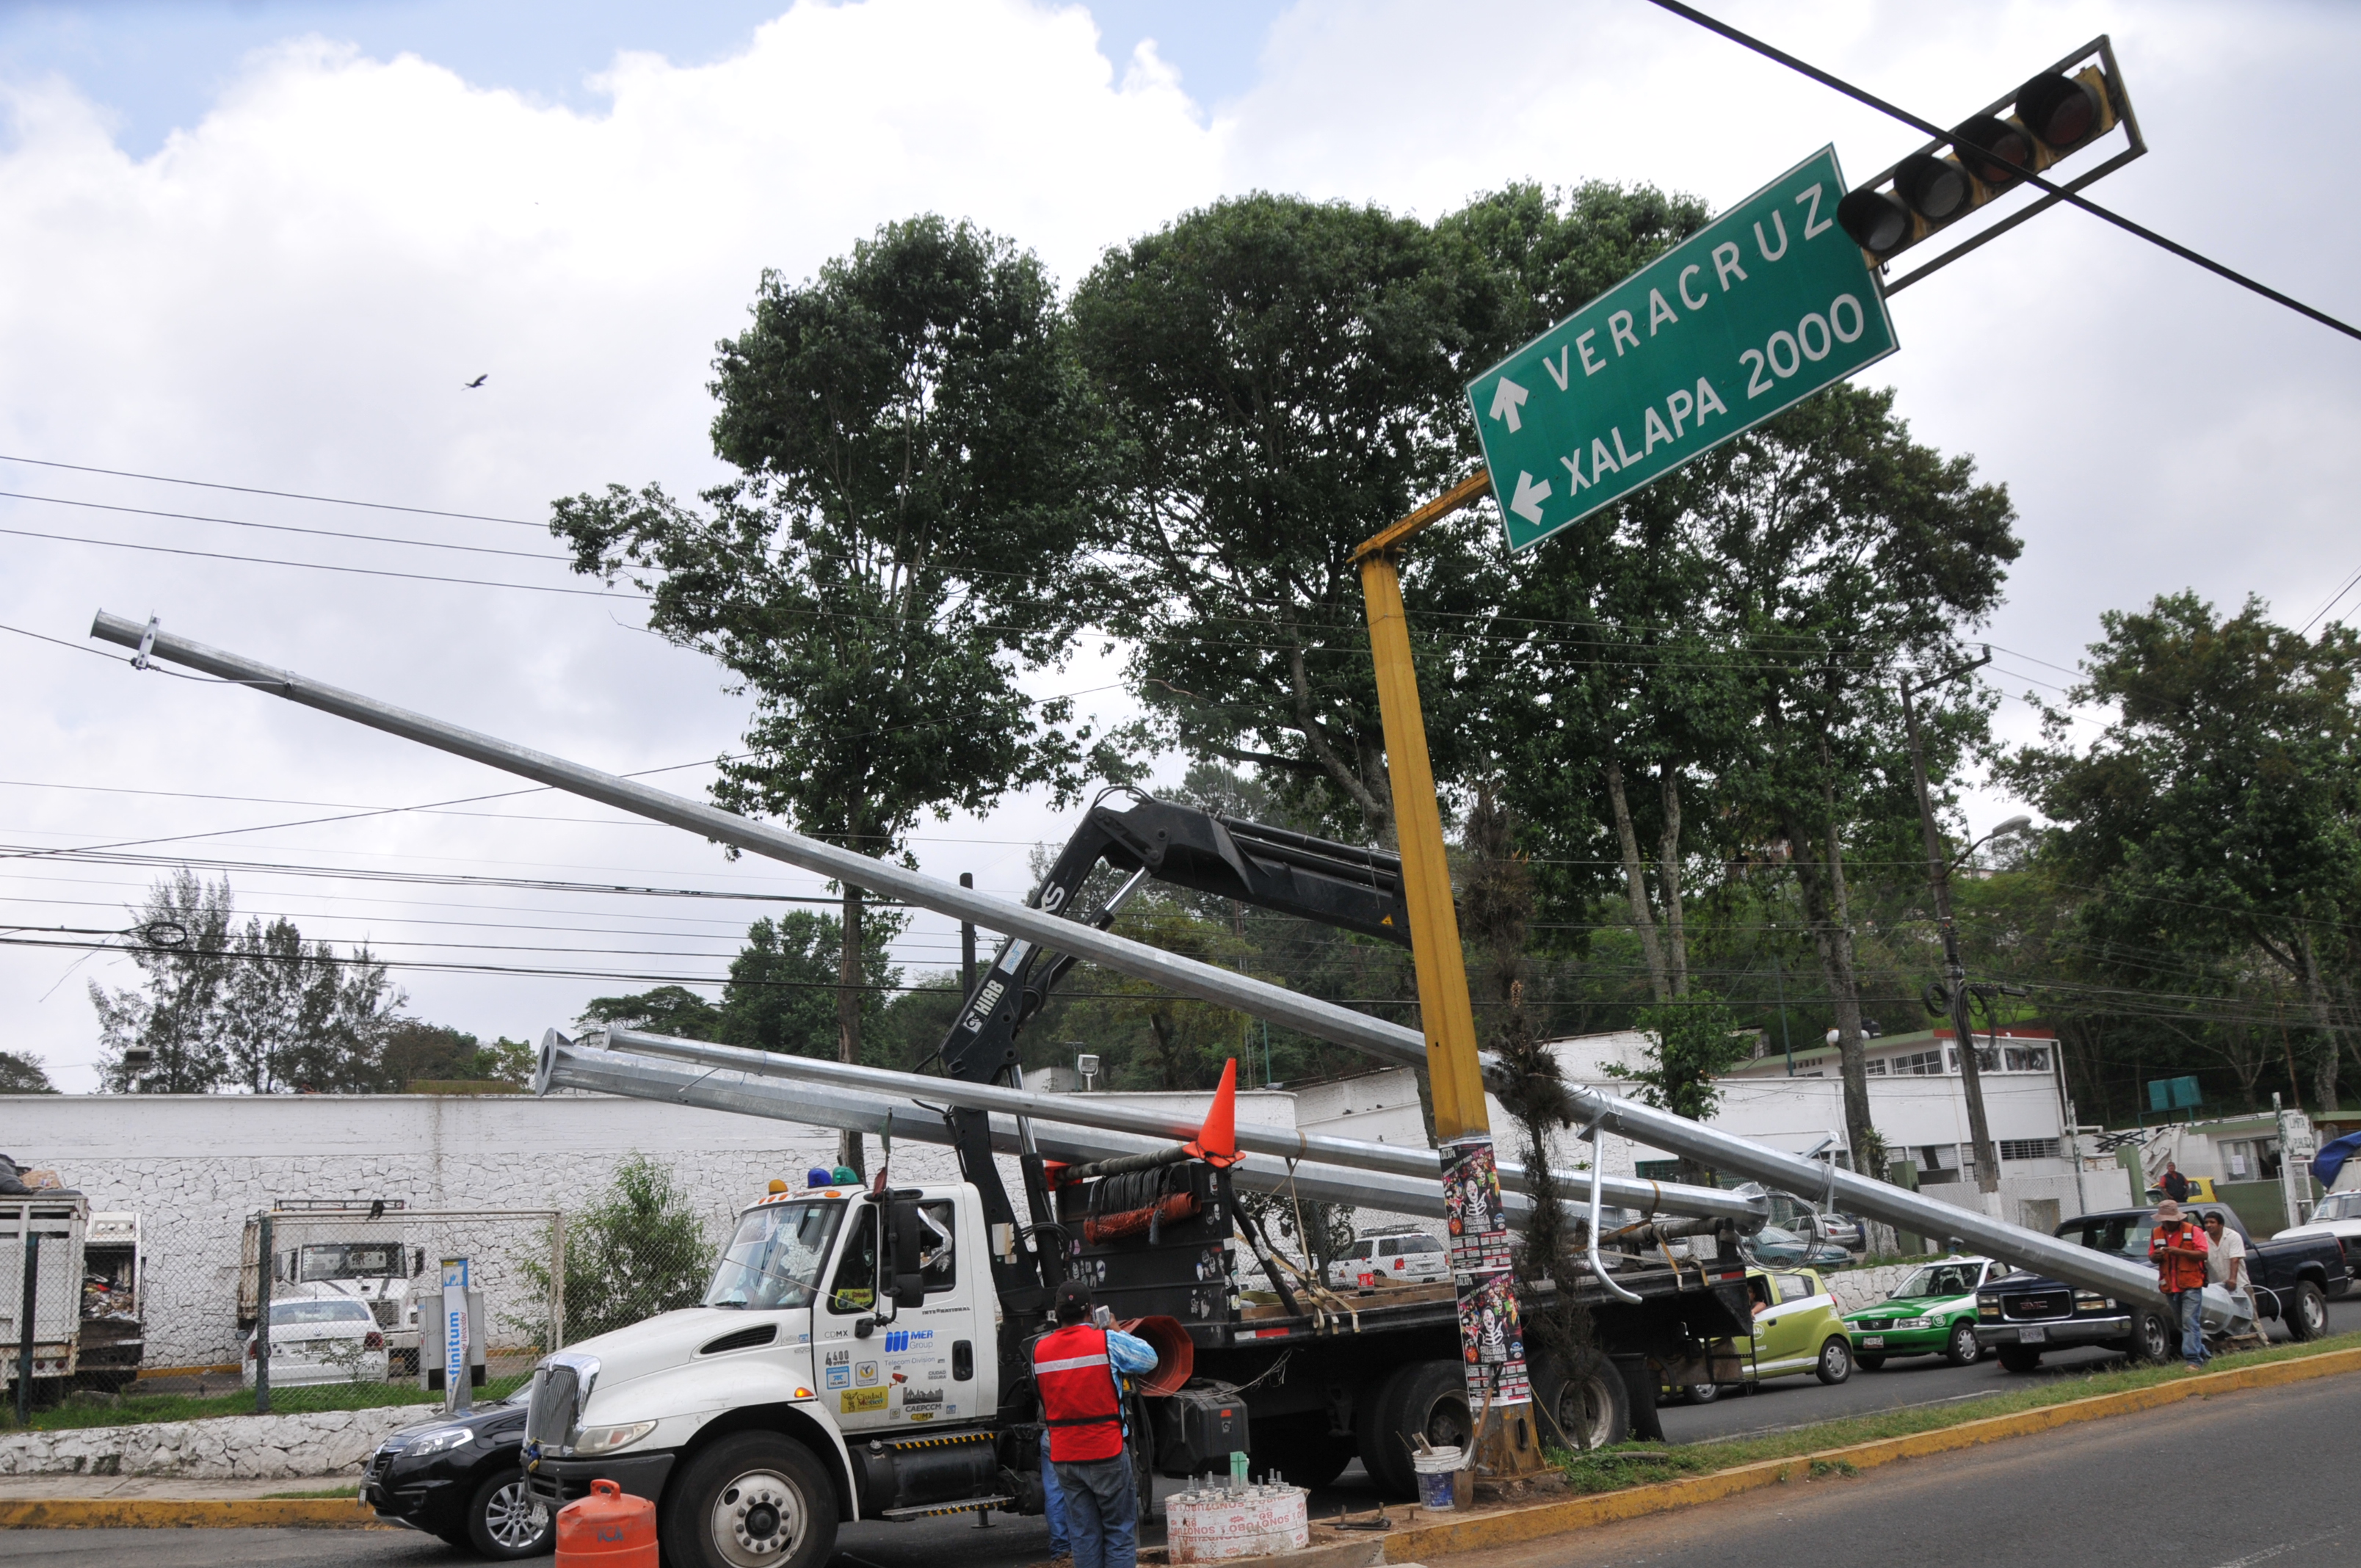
2177 1246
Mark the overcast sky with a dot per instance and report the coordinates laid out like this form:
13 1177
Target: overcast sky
265 245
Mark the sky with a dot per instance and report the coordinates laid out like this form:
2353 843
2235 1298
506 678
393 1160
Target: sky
265 245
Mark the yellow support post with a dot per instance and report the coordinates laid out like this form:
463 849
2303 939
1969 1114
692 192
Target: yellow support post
1498 1395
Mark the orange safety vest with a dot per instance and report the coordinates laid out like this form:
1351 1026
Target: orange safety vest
2175 1273
1078 1394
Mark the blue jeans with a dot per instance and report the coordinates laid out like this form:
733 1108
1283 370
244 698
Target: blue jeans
1101 1513
2190 1307
1053 1503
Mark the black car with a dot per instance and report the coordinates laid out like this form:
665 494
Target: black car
463 1479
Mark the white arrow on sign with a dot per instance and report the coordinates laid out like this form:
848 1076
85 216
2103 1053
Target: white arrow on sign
1527 502
1505 399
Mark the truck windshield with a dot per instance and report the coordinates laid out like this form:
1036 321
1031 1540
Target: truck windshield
2123 1235
369 1260
775 1258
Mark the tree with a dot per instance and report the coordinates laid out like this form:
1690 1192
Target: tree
780 998
21 1072
907 540
1281 379
294 1016
2218 815
667 1010
421 1052
182 955
637 1251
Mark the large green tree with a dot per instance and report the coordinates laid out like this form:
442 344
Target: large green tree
2214 828
909 538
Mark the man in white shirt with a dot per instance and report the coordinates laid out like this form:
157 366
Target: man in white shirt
2225 1262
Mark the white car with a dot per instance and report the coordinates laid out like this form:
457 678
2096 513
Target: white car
1406 1259
2337 1215
320 1339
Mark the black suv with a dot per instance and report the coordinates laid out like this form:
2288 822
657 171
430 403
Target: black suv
463 1479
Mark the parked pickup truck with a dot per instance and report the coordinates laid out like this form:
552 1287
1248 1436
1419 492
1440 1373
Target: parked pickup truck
2023 1315
2337 1217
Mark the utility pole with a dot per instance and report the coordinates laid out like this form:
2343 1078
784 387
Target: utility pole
967 945
1499 1390
1955 972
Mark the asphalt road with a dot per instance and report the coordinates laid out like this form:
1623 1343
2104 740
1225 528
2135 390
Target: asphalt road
2236 1481
2319 1433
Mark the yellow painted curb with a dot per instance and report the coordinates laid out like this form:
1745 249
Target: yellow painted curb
183 1513
1512 1526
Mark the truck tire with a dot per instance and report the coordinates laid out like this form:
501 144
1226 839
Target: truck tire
1961 1349
1427 1398
1592 1411
2306 1311
752 1500
2154 1340
1299 1449
2016 1358
1836 1360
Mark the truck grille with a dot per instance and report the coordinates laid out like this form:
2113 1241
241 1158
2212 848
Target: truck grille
549 1412
2049 1304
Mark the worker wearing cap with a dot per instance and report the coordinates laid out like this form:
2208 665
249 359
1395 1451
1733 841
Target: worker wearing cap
1077 1370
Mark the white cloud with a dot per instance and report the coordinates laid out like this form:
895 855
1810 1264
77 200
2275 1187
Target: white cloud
290 292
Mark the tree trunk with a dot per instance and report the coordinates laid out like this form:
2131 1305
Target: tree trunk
2324 1017
1635 880
1668 879
848 1018
1834 945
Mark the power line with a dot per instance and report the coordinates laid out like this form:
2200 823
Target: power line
288 528
322 566
256 490
2070 198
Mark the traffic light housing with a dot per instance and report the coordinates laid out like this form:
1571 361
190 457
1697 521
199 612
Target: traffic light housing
2057 111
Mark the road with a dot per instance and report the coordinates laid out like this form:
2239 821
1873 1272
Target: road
2269 1457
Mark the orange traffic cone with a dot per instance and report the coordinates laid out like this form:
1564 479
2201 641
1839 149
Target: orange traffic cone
1217 1140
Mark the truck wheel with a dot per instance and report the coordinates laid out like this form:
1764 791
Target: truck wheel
1429 1398
506 1521
2153 1340
1961 1349
2016 1358
2306 1312
755 1500
1593 1411
1836 1361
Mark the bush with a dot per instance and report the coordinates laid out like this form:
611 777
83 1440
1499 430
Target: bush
638 1252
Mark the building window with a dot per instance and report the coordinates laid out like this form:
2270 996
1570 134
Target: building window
2024 1059
1875 1066
1987 1059
2252 1160
1923 1064
2028 1148
1658 1169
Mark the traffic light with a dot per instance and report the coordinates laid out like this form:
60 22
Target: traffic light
2056 113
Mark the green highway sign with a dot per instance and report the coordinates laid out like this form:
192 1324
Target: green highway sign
1759 309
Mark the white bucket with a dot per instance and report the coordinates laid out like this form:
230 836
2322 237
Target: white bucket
1215 1524
1434 1470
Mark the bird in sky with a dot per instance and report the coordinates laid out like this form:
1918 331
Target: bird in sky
480 380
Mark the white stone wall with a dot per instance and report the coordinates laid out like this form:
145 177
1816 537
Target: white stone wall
195 1167
314 1442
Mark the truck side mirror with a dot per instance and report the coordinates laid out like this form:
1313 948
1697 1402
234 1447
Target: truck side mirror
904 1243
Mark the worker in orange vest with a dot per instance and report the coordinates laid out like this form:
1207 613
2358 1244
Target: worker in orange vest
1078 1371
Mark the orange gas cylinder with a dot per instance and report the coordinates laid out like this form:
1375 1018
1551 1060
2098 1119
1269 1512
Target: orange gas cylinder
606 1530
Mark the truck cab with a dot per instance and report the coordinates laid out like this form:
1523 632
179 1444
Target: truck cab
842 1365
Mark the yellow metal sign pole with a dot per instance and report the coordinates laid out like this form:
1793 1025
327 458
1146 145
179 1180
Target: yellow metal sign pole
1491 1338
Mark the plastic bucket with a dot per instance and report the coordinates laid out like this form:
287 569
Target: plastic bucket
1434 1470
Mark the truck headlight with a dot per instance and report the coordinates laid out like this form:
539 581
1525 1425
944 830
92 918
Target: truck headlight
437 1439
2091 1301
1988 1309
595 1441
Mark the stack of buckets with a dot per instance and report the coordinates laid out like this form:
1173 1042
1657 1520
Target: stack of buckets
606 1530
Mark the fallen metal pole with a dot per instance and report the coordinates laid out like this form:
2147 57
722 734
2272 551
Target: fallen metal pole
1748 1210
566 1065
1323 1020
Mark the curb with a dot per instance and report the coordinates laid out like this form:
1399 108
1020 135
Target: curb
1515 1526
185 1513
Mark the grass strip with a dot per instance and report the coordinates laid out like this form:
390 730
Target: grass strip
134 1410
1643 1463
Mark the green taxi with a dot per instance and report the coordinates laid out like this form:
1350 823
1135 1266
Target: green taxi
1931 1312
